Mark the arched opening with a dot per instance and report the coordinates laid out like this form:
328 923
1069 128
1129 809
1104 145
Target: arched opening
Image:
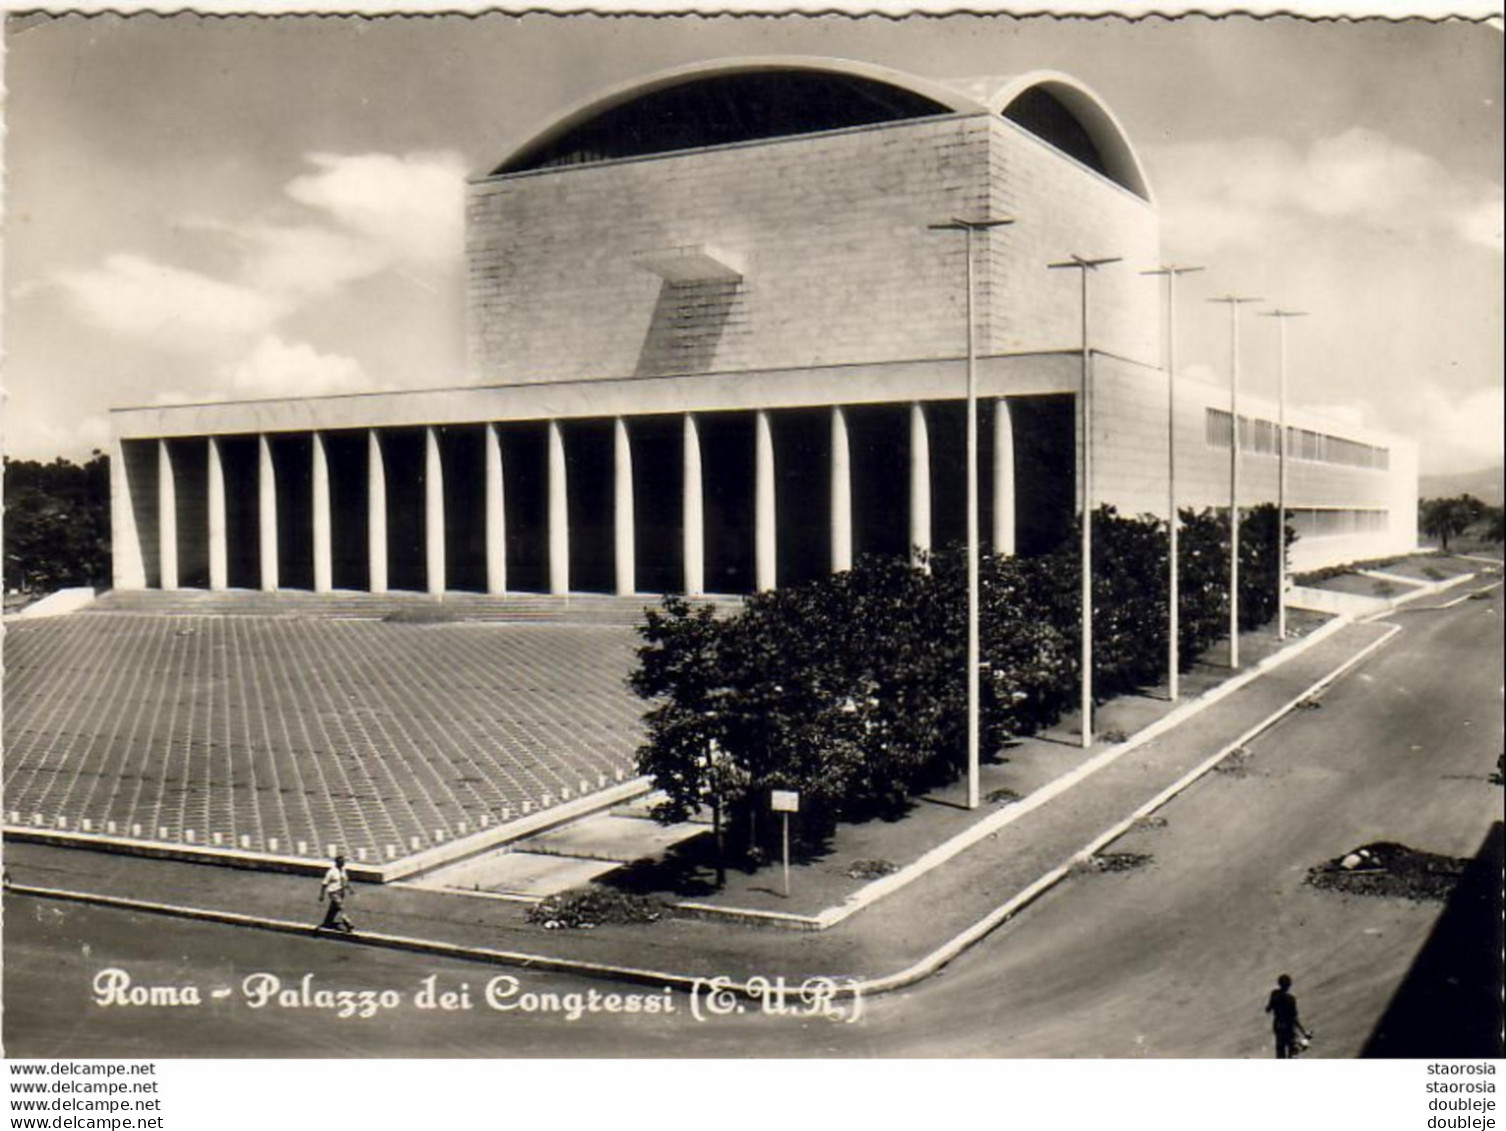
724 109
1071 120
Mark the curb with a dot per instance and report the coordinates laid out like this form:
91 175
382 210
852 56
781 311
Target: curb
911 974
1450 604
1428 589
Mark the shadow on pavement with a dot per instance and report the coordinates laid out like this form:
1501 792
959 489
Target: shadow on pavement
1449 1004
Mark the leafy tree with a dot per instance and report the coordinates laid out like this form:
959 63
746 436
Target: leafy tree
1203 582
57 523
679 667
1259 567
1448 518
1494 529
851 688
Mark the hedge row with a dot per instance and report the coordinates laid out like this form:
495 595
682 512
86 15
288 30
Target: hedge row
851 688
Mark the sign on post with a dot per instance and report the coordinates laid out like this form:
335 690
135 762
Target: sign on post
784 802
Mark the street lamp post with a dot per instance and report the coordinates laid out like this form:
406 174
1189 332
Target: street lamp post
974 726
1234 302
1085 412
1281 317
1173 523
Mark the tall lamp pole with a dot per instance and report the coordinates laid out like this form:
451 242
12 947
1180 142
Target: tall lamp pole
1085 411
974 725
1234 302
1281 317
1170 271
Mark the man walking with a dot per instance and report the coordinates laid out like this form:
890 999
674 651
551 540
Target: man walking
1282 1006
336 889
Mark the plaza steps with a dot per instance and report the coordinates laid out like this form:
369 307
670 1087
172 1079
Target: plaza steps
414 608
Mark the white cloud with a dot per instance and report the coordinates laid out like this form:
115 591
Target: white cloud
1482 223
276 368
306 261
372 213
414 206
1456 433
133 296
1253 190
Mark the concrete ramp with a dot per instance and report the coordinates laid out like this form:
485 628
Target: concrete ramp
510 873
61 603
560 858
610 837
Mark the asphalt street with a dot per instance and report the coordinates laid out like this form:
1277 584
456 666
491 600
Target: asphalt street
1172 958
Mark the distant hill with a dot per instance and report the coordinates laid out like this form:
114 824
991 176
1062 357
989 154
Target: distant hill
1486 485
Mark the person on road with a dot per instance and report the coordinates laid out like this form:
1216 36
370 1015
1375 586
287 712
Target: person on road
336 889
1282 1006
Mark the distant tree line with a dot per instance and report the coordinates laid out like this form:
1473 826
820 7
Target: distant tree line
851 688
57 524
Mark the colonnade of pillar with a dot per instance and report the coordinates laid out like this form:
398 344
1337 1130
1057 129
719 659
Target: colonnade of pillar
494 489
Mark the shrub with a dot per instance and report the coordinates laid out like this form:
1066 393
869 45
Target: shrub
871 869
590 906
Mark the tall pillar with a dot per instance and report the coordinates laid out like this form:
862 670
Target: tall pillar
765 556
920 483
127 557
433 513
167 517
496 515
693 511
623 516
1004 493
266 512
559 513
376 514
219 568
324 570
841 493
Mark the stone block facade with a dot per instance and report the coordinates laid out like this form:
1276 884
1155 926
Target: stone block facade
827 243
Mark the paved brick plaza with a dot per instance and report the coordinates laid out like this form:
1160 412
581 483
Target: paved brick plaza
288 735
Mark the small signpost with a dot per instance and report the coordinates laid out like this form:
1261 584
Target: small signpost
784 802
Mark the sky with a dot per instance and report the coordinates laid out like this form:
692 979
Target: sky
206 208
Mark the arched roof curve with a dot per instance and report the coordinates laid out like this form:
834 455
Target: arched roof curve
1122 163
946 100
908 96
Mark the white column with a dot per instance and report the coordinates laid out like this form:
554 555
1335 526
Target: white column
559 513
167 518
266 510
1004 492
841 493
765 555
324 572
496 515
920 482
376 514
127 562
623 516
219 568
433 513
693 516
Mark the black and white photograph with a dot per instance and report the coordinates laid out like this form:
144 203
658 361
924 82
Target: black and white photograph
602 535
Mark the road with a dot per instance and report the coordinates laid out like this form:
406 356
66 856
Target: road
1170 959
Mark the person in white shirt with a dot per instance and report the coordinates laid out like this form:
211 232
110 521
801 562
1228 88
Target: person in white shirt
336 889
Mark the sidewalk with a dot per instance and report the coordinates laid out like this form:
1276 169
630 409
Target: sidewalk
911 926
